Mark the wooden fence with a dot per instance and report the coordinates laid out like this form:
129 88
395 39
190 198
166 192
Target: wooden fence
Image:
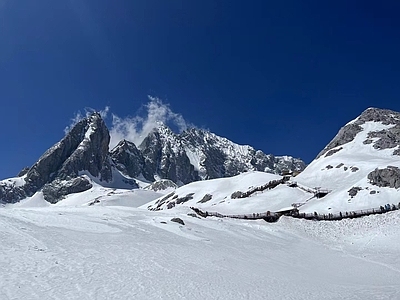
274 216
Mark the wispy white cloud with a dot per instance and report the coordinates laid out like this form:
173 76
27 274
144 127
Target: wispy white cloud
135 129
79 116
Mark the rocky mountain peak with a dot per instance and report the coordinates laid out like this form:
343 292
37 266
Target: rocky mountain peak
83 155
83 149
384 139
385 116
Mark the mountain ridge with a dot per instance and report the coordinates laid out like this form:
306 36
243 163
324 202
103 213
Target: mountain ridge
82 157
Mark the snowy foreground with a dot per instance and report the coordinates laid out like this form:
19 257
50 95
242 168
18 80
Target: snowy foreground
98 252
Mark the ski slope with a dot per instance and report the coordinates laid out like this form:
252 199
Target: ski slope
119 252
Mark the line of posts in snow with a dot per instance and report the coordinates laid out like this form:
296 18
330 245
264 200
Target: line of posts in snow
344 215
274 216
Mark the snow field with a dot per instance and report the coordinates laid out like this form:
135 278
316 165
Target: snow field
97 252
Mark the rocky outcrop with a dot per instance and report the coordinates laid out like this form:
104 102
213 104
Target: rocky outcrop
388 138
23 172
58 189
165 157
345 135
354 191
178 220
218 157
92 152
128 159
162 185
11 193
388 177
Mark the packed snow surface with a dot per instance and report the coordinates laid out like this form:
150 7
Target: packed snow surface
119 252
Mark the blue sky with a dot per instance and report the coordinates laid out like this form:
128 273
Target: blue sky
282 76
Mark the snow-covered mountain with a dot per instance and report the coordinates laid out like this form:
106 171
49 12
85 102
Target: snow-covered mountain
58 171
194 155
82 159
103 240
358 170
360 166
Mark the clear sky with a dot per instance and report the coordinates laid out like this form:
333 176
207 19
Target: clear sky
282 76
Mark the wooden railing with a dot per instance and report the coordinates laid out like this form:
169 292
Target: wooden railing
274 216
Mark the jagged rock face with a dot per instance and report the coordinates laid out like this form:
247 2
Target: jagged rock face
84 148
91 154
345 135
287 163
182 158
162 185
57 189
220 157
23 172
128 159
10 193
165 156
388 177
389 138
194 155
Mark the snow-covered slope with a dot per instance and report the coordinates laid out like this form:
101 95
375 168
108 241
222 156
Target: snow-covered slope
97 252
223 195
348 165
359 169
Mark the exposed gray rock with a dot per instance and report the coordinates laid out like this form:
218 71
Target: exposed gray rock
339 165
354 190
333 151
221 158
162 154
92 153
387 138
346 134
354 169
127 158
58 189
388 177
10 193
237 195
368 141
178 220
165 156
83 149
23 172
386 116
206 198
184 199
162 185
161 201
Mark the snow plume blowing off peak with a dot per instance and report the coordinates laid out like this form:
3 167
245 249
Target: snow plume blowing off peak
135 129
88 111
